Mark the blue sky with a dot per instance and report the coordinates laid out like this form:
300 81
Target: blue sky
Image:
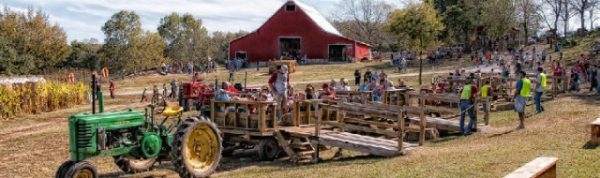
82 19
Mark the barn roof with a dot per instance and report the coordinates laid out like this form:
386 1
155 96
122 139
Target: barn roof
316 17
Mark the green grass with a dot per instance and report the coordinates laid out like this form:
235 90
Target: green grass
561 131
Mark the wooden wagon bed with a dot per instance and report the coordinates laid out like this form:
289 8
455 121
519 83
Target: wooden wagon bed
350 141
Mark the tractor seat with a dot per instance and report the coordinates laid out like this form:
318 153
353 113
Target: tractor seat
172 111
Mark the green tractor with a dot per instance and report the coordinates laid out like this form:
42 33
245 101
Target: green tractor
137 142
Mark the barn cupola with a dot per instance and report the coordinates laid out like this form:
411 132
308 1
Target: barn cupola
290 6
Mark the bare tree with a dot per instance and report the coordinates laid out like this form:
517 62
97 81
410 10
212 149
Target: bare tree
362 20
591 11
556 9
566 15
528 15
581 6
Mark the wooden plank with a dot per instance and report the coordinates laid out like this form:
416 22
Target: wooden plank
283 143
440 124
541 167
359 147
359 128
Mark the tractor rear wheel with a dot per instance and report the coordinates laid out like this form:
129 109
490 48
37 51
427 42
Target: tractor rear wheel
81 169
62 169
197 150
268 149
131 165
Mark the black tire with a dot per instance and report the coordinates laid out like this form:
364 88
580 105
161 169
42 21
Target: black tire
268 149
131 165
79 168
62 169
178 152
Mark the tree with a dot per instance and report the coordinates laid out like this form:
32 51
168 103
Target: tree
420 25
150 51
580 7
528 16
566 16
30 42
362 20
127 48
84 54
123 31
186 39
498 16
219 44
556 9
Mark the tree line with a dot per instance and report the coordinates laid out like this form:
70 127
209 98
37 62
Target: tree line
30 44
472 23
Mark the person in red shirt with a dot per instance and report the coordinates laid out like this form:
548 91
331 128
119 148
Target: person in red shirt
279 83
327 93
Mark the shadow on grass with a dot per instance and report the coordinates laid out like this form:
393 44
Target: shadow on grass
588 97
589 146
501 133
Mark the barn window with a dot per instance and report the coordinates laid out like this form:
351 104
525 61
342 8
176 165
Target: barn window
290 7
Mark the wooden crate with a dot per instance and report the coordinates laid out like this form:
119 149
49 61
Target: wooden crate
595 132
290 63
542 167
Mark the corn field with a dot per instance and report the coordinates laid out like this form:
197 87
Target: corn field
36 98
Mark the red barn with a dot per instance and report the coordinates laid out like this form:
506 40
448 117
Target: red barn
297 30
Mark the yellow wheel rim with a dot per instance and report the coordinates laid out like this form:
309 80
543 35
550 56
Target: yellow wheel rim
201 148
85 173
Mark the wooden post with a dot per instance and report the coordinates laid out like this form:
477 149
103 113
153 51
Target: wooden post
401 133
317 132
308 112
274 117
213 111
422 122
262 123
296 115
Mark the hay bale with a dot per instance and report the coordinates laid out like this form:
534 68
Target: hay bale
290 63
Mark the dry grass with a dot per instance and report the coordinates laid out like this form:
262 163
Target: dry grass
561 131
304 74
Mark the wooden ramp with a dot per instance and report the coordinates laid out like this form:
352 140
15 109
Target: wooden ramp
440 124
364 144
350 141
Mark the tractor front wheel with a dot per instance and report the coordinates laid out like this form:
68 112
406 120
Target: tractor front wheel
62 169
197 150
81 169
132 165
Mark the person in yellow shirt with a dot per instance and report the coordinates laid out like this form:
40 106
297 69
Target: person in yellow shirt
522 93
486 91
540 88
467 96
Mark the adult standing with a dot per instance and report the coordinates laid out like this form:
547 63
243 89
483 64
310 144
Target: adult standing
112 88
279 83
540 88
368 75
522 93
173 89
357 77
485 92
467 97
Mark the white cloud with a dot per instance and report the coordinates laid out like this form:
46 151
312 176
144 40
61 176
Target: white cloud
83 19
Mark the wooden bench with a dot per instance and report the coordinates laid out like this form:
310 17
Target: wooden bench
541 167
595 132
